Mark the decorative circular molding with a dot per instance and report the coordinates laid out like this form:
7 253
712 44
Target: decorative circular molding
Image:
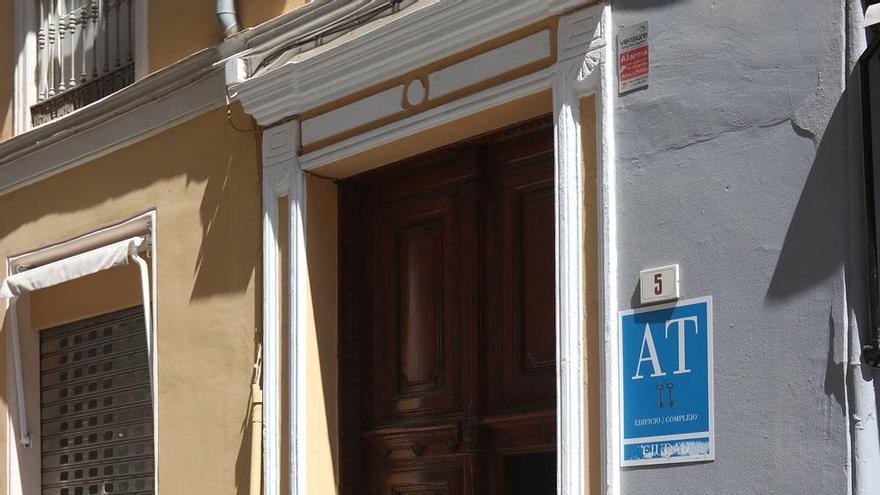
415 92
278 178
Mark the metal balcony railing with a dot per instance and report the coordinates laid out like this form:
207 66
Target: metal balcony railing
85 51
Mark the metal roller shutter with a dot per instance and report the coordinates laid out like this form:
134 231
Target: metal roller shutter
96 413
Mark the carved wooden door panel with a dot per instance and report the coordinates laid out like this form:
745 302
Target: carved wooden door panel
409 234
520 319
415 282
447 349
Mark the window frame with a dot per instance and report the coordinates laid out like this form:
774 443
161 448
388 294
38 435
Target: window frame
27 16
23 465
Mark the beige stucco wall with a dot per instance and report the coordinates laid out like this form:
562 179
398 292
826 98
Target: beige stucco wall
253 13
322 438
7 66
177 29
593 455
180 28
202 178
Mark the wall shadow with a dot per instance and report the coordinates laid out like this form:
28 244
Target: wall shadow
242 460
230 232
826 235
231 240
814 245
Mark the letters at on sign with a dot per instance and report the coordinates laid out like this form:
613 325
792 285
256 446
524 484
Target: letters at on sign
667 392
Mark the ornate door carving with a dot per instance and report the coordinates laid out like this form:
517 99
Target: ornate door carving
447 350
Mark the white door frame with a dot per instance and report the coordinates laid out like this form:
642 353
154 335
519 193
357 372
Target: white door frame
282 177
585 66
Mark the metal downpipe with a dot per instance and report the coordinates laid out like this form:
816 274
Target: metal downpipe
227 17
256 478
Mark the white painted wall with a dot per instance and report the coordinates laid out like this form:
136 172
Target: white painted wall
736 162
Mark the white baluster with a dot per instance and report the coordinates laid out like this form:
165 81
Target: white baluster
41 64
95 36
72 23
75 46
52 61
129 15
61 25
85 34
118 19
105 25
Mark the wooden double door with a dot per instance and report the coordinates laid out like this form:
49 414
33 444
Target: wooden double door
448 340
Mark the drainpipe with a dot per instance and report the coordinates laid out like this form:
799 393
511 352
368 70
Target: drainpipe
227 17
860 384
872 19
257 428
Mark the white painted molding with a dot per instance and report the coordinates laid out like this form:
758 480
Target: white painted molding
608 274
580 53
582 38
570 316
280 146
428 30
518 53
147 107
478 102
264 39
282 176
271 342
141 25
297 330
357 113
490 64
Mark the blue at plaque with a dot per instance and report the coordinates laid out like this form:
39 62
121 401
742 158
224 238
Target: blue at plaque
666 376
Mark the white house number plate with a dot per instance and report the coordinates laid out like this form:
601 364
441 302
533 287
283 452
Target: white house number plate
659 284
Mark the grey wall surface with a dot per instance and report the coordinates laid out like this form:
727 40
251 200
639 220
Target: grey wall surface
736 163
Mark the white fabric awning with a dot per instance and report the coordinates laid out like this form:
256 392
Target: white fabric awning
67 269
872 15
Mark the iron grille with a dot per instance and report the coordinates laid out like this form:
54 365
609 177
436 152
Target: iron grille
96 410
82 95
85 51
